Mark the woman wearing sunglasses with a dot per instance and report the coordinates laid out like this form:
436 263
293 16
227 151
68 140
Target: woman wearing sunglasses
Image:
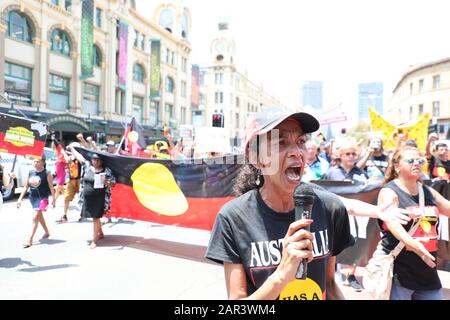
415 272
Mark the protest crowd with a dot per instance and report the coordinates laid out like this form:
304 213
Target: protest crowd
83 172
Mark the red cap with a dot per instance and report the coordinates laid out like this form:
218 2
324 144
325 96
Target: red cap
266 120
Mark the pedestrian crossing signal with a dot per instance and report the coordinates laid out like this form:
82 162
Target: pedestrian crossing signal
217 120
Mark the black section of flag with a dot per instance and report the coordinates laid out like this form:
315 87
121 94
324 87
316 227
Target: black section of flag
195 180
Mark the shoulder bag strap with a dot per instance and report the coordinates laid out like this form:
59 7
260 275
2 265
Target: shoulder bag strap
415 226
372 158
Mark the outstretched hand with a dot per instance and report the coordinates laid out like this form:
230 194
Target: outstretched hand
391 213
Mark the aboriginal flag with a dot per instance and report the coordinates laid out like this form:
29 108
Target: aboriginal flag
134 139
22 136
183 193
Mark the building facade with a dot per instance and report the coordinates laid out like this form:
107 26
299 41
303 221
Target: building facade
424 88
40 72
312 95
226 91
369 95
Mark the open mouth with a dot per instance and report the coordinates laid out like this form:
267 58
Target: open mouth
293 173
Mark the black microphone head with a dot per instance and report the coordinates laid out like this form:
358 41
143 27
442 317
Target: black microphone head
304 194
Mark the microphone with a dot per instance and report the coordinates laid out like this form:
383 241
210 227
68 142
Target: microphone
303 201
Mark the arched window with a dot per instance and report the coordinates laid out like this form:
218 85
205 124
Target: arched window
138 73
19 26
166 19
185 25
60 42
97 56
169 85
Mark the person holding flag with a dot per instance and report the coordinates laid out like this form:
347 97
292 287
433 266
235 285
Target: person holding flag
134 140
61 165
95 193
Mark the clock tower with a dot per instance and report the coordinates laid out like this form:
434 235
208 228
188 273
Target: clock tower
223 48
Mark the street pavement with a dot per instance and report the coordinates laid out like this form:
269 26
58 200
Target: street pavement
136 260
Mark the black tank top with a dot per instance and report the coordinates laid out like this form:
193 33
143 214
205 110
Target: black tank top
38 184
409 268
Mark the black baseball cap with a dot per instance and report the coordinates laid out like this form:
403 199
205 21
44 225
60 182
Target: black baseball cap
268 119
95 156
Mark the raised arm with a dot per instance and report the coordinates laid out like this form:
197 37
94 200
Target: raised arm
362 162
433 137
91 143
77 154
82 141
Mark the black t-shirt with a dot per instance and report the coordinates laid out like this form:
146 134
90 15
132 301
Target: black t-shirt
248 232
435 164
412 272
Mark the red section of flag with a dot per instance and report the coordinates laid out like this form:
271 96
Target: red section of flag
201 214
34 151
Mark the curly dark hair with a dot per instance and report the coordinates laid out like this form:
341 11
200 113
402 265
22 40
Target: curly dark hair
246 180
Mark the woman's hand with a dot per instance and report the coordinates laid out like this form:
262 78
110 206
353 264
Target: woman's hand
418 247
18 204
53 202
297 245
109 184
392 213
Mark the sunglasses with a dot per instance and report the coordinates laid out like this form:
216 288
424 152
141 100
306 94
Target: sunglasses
348 154
411 161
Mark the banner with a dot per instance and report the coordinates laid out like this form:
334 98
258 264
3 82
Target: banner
123 54
190 194
414 130
161 191
22 136
155 81
195 90
87 39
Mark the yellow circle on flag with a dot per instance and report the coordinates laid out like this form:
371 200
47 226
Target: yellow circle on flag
156 189
306 289
440 171
426 226
133 136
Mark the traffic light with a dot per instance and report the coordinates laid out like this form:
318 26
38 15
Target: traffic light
217 120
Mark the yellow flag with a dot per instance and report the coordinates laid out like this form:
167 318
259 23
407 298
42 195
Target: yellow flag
383 127
417 130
